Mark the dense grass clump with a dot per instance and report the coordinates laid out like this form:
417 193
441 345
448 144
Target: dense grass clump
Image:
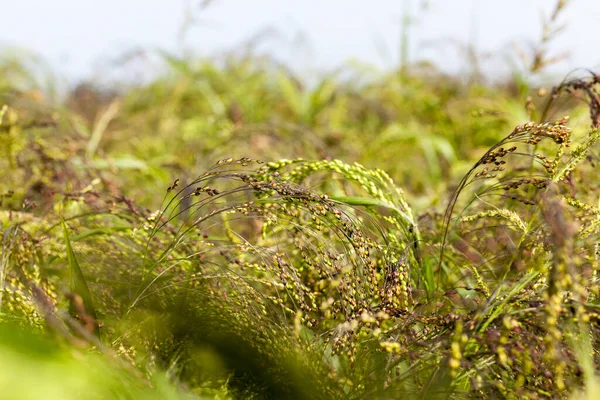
308 276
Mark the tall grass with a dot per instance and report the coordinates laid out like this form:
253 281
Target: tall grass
128 275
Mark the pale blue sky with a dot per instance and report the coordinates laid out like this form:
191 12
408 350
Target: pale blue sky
76 35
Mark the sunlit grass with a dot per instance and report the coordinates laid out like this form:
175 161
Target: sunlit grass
226 232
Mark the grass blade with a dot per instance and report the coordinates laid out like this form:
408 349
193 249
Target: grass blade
78 284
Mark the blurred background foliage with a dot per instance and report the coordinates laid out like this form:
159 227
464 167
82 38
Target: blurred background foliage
200 111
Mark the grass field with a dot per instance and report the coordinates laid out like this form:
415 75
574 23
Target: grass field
225 231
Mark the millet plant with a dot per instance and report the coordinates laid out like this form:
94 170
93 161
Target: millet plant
298 278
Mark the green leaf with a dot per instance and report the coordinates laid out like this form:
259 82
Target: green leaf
361 201
291 94
125 162
371 202
78 284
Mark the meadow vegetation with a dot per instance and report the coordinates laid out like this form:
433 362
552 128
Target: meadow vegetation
225 231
